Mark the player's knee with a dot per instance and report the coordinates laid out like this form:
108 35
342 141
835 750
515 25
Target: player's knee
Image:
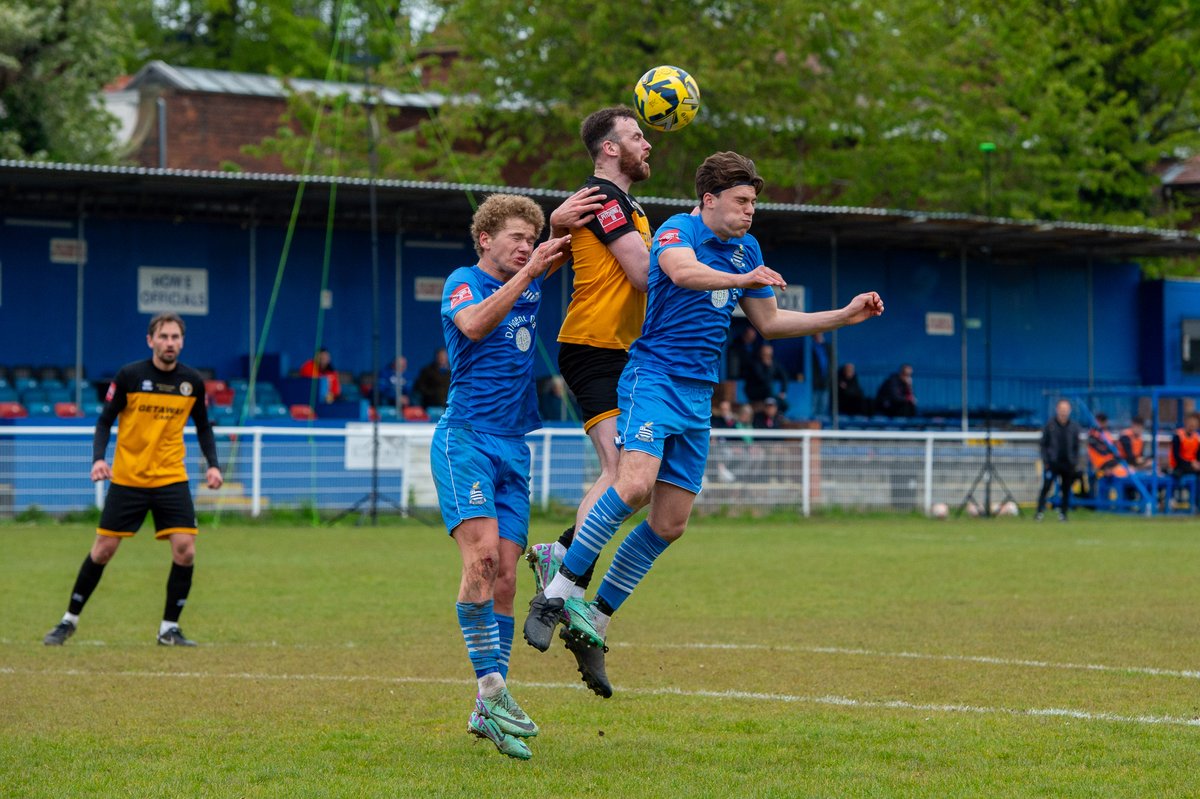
486 566
104 548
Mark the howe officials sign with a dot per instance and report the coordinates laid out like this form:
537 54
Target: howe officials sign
184 291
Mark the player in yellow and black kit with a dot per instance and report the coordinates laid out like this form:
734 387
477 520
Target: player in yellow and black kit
610 250
153 400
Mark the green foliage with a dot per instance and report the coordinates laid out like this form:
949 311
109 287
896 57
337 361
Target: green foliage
54 59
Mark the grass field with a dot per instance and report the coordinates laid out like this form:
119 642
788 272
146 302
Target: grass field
838 657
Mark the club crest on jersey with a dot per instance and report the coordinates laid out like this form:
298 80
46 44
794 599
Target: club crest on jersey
668 237
523 339
185 389
611 216
147 385
719 297
529 295
476 497
646 432
739 258
461 295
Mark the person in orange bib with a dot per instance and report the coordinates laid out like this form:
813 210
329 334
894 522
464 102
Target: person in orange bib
1184 459
1132 445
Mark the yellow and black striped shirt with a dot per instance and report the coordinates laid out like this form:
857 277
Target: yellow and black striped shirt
153 407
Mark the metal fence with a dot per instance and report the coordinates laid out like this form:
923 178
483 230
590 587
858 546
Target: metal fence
331 469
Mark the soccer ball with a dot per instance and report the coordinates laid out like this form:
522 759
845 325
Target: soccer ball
939 510
1009 508
666 98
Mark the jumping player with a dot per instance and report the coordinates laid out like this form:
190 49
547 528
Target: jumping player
153 399
611 259
479 457
701 266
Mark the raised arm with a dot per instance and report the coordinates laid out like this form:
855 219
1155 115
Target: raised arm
575 211
775 322
686 271
478 320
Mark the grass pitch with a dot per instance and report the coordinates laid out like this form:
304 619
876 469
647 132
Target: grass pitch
843 657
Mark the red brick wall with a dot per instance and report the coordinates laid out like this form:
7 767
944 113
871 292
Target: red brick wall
205 130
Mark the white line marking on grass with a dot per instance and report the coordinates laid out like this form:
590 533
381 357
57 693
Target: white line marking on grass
987 659
833 701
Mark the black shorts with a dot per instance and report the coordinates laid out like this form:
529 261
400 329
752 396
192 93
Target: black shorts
125 509
592 374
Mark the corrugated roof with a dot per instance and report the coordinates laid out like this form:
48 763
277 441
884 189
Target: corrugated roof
41 187
217 81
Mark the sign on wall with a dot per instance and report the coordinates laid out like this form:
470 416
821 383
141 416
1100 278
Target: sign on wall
164 288
428 289
939 324
68 251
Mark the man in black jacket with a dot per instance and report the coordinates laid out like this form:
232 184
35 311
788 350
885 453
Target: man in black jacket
1060 454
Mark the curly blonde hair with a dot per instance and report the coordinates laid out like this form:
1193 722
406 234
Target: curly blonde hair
495 212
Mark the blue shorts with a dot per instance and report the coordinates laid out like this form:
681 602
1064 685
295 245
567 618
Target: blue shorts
669 418
479 475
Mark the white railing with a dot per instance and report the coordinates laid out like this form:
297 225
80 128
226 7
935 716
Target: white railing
331 468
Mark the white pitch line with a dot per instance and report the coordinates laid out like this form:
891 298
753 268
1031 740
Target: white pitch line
1186 674
829 700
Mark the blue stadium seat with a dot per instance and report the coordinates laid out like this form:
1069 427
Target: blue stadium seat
40 409
9 394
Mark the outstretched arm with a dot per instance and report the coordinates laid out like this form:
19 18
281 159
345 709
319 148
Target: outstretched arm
575 211
774 322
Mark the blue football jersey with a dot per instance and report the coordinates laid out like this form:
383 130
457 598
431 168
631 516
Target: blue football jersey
491 380
685 329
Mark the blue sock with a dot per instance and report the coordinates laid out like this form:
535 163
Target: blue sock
506 626
479 629
601 524
634 558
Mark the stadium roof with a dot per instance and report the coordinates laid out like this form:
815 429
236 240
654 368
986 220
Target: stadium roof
41 188
219 81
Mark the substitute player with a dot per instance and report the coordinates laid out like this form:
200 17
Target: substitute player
479 457
611 259
153 400
700 268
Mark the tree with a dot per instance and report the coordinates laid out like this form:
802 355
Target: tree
55 57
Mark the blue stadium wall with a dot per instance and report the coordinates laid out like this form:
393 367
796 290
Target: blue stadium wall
1039 308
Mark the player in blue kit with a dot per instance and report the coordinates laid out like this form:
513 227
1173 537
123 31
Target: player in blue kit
701 266
479 457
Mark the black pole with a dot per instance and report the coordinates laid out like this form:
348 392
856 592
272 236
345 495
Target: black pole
988 149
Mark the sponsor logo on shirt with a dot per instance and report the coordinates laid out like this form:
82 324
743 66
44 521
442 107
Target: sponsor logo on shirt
147 385
529 295
668 237
461 295
476 497
719 297
646 432
524 339
611 216
166 388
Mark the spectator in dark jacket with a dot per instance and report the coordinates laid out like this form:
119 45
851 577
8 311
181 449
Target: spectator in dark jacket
851 398
433 382
740 353
1060 454
765 378
895 397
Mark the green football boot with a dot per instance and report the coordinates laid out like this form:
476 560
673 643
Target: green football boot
578 624
507 714
483 727
543 563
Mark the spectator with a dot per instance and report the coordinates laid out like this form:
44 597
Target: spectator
851 399
393 382
820 375
322 367
433 382
553 402
1102 450
1184 458
724 418
1060 453
1131 445
895 397
740 353
768 418
765 378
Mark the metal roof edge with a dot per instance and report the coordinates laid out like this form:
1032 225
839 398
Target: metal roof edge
677 202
